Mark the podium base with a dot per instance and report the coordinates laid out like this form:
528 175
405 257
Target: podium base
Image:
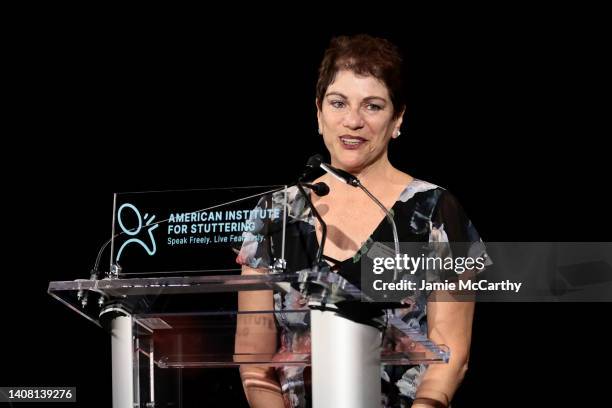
345 362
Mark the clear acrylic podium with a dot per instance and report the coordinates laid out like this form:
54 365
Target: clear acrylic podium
146 340
164 314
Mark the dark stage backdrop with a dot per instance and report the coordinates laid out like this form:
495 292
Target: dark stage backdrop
504 116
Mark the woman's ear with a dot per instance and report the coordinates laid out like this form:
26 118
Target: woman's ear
398 124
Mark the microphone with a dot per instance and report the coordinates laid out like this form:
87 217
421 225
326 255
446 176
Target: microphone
343 176
313 163
321 189
316 161
349 179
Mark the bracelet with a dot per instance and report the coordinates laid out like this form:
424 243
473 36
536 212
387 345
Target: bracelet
430 402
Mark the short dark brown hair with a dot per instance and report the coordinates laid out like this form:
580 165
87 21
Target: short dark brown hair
364 55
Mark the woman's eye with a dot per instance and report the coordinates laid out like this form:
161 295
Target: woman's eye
337 104
373 107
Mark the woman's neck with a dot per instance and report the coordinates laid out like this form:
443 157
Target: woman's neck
380 172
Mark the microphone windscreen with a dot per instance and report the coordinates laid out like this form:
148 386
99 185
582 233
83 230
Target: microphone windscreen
315 161
321 189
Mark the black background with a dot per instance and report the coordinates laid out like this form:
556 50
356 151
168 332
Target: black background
505 114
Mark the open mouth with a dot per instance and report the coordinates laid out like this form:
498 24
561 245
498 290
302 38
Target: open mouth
352 142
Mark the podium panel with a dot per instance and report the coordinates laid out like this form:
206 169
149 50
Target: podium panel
176 324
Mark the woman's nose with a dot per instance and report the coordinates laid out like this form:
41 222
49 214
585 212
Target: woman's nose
353 119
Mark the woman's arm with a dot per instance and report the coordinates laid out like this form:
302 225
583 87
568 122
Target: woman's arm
450 323
256 333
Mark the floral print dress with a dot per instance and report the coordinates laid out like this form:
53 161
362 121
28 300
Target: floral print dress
423 212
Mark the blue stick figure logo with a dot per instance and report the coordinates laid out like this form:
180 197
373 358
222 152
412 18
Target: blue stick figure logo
132 232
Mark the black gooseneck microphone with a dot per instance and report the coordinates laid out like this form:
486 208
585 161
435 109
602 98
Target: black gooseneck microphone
321 189
349 179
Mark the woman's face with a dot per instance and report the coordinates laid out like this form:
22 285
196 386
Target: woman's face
356 119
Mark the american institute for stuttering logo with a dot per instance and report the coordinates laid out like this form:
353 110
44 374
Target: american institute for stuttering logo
151 247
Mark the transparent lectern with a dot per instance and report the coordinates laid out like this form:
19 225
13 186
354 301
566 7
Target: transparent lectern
169 299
